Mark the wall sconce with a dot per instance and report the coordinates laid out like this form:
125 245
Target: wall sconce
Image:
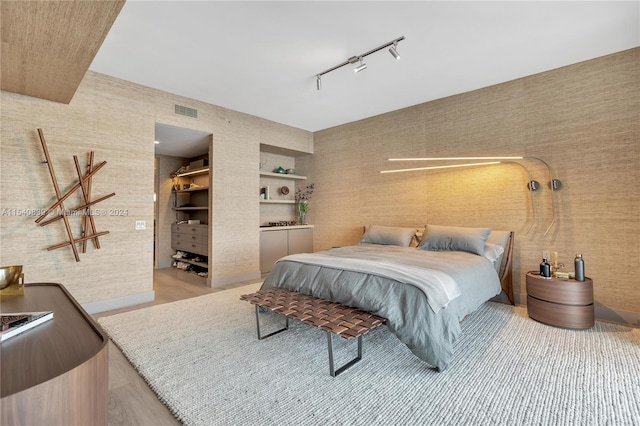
359 58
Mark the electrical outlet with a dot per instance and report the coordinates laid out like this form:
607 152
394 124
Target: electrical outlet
141 225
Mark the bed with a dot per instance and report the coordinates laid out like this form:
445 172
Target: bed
424 285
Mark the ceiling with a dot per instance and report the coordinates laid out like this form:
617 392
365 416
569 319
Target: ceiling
48 47
180 142
261 58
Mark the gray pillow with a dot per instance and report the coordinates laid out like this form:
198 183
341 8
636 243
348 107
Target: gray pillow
454 238
388 235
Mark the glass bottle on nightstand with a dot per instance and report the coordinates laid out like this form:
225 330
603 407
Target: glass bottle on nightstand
545 268
579 265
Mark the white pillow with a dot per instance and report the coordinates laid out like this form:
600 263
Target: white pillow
493 251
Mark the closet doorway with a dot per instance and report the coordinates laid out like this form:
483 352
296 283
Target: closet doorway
179 150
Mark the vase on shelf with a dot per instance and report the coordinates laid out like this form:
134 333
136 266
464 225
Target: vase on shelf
302 198
301 209
302 218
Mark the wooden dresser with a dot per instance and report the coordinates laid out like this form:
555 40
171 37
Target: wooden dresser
190 238
57 372
559 302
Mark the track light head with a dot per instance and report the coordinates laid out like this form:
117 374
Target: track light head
394 51
318 82
360 67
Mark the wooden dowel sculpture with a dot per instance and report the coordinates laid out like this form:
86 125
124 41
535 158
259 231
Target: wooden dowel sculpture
89 231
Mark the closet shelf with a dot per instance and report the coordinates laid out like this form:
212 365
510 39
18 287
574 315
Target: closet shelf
185 209
193 172
191 262
199 188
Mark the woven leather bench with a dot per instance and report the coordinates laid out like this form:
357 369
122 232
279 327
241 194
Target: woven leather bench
331 317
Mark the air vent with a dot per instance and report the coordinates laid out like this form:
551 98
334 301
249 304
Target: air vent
189 112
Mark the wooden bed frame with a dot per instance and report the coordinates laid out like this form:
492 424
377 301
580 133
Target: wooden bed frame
506 276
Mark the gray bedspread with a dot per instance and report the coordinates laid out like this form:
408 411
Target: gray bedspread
429 333
416 269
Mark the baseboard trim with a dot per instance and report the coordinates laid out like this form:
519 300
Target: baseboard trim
165 264
119 302
233 279
602 313
616 315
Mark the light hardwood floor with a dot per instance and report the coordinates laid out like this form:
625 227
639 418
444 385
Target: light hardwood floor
131 401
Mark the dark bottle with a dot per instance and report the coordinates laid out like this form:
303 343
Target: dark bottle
545 268
579 265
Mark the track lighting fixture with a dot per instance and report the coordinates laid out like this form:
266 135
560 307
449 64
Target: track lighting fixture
393 45
394 51
360 67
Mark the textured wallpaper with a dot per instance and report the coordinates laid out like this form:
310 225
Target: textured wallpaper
583 120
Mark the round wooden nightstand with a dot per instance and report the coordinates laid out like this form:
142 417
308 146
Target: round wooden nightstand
559 302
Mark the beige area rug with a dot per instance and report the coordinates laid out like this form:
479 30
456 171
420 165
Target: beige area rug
201 356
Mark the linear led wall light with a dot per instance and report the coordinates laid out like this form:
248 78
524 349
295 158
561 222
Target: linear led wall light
532 185
450 166
359 58
554 184
453 158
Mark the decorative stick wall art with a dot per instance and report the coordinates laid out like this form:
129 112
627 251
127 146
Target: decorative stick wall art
89 231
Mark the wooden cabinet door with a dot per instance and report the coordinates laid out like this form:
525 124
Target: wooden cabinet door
273 246
300 240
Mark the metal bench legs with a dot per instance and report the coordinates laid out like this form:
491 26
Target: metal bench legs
260 337
333 371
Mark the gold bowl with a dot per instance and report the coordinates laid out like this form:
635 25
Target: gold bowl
10 275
